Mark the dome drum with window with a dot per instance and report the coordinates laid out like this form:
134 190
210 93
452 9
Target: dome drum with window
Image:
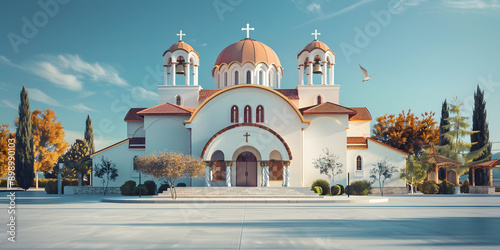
247 114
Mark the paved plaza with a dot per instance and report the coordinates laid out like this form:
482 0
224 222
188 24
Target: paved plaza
413 221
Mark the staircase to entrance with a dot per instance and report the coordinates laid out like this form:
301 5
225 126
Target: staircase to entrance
242 192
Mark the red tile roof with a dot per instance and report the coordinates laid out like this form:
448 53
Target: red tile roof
488 164
291 94
132 115
167 109
327 108
357 143
362 114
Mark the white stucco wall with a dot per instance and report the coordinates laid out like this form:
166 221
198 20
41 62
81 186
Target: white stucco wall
308 94
359 129
135 129
123 158
189 94
166 133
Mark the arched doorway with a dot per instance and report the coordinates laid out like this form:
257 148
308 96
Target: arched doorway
246 170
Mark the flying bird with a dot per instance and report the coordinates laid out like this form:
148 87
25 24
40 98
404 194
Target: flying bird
365 74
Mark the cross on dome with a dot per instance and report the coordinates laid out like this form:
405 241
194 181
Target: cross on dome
248 30
315 34
180 35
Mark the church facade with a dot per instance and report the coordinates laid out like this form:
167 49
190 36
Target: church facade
249 130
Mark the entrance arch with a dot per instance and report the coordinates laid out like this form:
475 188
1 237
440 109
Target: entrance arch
246 170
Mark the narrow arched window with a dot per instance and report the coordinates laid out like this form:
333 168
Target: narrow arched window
225 79
249 77
236 78
260 114
359 163
248 114
319 99
261 78
178 100
234 114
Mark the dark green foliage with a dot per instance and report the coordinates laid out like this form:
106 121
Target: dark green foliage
141 187
151 187
324 184
42 182
89 135
335 190
443 124
430 187
465 187
446 187
128 187
318 190
481 138
73 159
51 187
342 190
163 187
24 158
181 184
359 188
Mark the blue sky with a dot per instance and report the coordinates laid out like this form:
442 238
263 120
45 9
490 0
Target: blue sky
104 57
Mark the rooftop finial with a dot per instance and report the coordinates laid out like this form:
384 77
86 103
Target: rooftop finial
315 34
248 30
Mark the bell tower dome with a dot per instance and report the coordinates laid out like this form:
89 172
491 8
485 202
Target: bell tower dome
316 58
181 59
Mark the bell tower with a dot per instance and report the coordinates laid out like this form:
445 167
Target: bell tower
316 59
180 63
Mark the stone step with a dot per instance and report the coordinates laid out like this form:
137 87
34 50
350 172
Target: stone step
241 192
242 196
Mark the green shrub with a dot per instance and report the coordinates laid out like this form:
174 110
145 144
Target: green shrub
446 187
128 187
151 187
141 187
465 187
42 182
181 184
430 187
163 187
335 190
359 188
51 187
318 190
3 183
342 189
324 184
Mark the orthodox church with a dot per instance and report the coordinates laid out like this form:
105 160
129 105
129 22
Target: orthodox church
249 130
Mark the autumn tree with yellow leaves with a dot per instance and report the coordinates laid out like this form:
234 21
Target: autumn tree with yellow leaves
4 149
170 167
407 132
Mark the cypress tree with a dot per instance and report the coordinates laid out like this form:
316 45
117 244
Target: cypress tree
24 145
89 135
481 138
444 124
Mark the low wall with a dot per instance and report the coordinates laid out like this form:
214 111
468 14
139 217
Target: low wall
390 190
481 190
91 190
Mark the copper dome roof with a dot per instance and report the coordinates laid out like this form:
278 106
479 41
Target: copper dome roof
180 45
316 45
247 50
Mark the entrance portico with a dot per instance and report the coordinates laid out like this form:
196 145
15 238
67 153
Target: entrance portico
253 155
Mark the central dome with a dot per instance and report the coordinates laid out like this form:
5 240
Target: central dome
248 50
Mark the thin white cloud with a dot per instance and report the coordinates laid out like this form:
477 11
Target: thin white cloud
86 94
40 96
8 104
334 14
145 94
314 8
473 4
203 45
53 74
405 4
82 107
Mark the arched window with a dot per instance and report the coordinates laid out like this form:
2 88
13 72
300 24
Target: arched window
178 100
234 114
261 78
249 77
319 99
248 115
359 163
225 79
260 114
236 78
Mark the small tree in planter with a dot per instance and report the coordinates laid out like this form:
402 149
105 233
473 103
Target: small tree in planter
328 164
382 171
107 171
170 167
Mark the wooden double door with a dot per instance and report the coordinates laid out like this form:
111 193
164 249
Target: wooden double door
246 170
